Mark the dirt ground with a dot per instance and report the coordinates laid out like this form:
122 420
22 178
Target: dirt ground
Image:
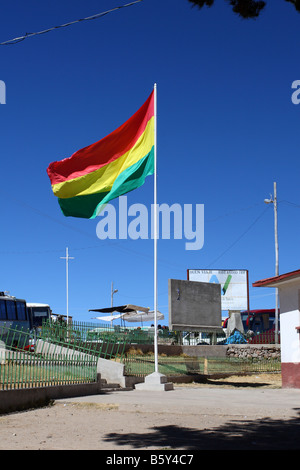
249 412
272 380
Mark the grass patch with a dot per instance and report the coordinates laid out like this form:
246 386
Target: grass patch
95 406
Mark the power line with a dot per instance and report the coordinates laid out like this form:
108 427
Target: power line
88 18
239 238
290 203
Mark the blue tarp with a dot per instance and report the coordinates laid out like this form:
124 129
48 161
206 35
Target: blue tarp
236 338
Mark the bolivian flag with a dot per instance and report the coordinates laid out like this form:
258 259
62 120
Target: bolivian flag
107 169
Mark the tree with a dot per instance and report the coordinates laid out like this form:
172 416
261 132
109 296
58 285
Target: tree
244 8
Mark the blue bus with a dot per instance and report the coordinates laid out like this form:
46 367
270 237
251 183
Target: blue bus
14 320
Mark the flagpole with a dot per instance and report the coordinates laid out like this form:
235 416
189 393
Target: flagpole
155 233
155 381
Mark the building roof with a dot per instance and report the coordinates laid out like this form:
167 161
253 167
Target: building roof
277 280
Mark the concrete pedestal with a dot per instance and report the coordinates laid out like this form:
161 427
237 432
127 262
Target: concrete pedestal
155 382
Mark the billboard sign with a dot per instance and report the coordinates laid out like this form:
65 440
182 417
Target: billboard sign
234 285
194 306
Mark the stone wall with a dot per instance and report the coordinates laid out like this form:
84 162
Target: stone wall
258 351
174 350
262 351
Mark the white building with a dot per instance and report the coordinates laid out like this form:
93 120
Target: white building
289 300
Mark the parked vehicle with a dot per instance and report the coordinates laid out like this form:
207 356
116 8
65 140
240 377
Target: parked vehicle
259 325
14 320
258 321
38 313
20 321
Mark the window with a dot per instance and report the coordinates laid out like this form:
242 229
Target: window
39 314
2 310
11 310
21 311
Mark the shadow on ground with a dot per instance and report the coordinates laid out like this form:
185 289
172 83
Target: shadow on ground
221 383
263 434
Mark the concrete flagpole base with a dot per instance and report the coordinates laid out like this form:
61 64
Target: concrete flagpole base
155 382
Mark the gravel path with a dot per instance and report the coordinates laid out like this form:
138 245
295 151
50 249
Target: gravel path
237 413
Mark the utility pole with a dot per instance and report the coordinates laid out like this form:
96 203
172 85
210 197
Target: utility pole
67 257
113 291
273 200
276 260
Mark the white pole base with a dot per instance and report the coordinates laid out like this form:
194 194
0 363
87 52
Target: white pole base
155 382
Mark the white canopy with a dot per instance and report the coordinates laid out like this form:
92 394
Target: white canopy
142 317
129 312
109 318
133 317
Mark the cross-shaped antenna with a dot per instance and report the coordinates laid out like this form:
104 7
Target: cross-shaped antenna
67 257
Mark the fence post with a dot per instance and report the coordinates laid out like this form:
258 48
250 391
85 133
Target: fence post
205 366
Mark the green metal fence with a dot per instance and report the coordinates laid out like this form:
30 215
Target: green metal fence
107 343
20 369
129 335
54 355
141 366
67 354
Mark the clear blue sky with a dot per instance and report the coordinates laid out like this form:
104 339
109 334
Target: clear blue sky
227 129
